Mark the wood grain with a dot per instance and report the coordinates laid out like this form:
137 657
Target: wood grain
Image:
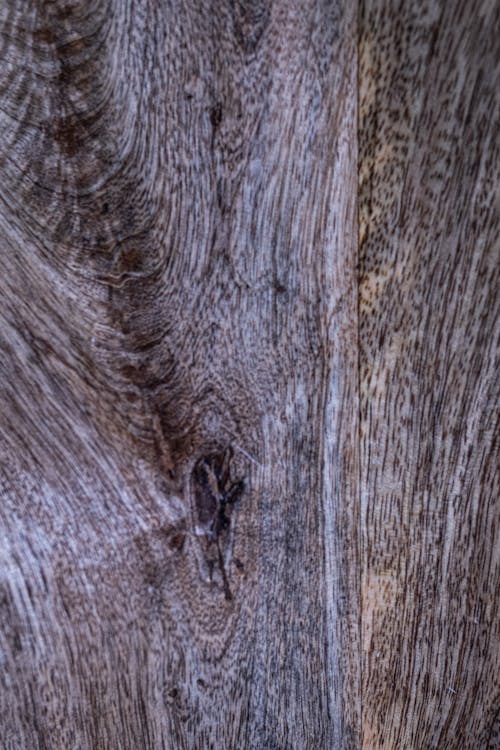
178 312
249 480
429 304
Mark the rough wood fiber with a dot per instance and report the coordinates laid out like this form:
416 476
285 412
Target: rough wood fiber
178 313
429 293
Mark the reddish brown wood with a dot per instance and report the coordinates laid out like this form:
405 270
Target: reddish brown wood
429 293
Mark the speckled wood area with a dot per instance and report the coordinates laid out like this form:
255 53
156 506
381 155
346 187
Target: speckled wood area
429 329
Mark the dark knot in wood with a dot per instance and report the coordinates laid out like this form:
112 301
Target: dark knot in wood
214 492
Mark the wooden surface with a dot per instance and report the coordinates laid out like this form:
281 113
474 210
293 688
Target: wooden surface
179 252
429 293
247 462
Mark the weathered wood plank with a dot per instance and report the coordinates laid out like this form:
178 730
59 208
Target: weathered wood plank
178 249
429 293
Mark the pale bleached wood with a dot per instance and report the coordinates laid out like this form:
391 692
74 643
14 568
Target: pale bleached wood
429 225
178 249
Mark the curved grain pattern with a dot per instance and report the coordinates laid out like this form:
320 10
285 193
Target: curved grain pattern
178 314
429 223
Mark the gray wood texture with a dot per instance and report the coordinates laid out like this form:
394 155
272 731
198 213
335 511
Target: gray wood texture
248 393
178 238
